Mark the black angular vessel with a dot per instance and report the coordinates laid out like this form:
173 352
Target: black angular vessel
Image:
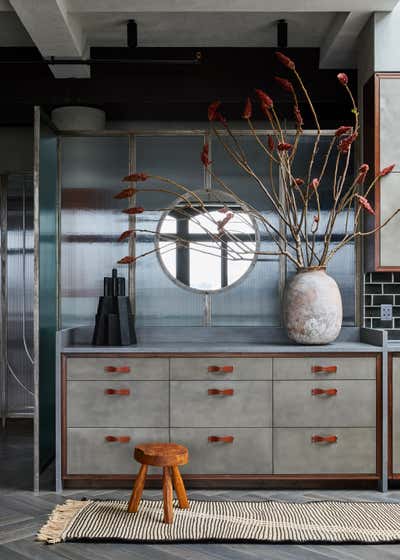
115 323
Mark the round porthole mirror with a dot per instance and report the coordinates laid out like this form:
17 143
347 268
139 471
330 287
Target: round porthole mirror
207 241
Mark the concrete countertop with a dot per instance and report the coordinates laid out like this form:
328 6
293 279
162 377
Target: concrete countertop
216 340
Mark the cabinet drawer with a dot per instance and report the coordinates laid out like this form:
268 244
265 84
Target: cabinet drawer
92 368
88 451
354 404
396 415
248 405
89 405
324 368
353 453
209 368
250 452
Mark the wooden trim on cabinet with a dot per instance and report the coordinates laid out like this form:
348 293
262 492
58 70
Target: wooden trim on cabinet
219 480
372 153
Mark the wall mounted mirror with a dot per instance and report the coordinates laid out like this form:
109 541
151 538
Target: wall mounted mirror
207 241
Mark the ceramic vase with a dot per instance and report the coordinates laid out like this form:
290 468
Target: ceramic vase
312 307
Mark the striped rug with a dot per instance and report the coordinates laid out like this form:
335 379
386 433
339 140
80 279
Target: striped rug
225 521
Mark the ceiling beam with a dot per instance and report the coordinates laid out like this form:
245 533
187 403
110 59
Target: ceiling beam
55 33
271 6
339 44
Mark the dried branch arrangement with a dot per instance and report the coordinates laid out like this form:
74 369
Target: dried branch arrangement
294 202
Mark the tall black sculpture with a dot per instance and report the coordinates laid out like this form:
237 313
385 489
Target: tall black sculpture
115 324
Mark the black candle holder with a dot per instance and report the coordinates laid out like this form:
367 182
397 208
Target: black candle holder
115 323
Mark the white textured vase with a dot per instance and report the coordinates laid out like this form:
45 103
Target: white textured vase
312 307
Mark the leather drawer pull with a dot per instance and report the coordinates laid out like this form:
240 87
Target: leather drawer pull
119 369
119 439
324 369
327 392
224 392
122 392
324 439
224 439
220 369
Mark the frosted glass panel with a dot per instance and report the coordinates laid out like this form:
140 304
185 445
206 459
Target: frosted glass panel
159 301
91 173
238 180
173 157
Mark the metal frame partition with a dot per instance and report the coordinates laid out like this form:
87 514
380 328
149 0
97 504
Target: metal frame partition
133 135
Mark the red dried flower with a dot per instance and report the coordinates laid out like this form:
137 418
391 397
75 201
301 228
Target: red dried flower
298 182
222 223
264 99
285 60
133 210
271 143
266 111
298 117
343 130
387 170
134 177
314 184
127 260
343 78
285 84
362 173
365 204
284 146
126 193
345 144
126 234
316 219
204 156
213 110
247 109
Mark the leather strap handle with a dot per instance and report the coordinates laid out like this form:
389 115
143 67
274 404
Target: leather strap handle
119 439
220 369
117 369
327 392
224 439
225 392
324 439
122 392
324 369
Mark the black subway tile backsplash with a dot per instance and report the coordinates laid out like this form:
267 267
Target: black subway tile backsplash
379 300
390 288
381 277
382 288
373 288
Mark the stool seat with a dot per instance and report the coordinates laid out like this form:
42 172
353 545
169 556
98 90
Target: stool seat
168 456
161 454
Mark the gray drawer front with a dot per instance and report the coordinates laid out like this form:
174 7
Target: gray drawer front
89 406
347 368
396 415
243 368
238 457
93 368
354 405
90 453
249 406
354 452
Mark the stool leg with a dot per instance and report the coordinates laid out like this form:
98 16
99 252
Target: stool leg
179 488
137 490
167 493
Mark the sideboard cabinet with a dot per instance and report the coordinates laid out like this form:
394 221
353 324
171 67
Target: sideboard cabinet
247 418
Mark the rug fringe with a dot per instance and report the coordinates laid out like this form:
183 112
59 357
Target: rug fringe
59 521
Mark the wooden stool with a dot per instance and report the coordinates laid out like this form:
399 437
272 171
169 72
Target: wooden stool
168 456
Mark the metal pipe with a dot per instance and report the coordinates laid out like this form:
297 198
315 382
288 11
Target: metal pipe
94 61
3 299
